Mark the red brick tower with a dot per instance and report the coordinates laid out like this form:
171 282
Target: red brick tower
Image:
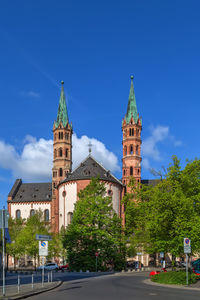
131 127
62 154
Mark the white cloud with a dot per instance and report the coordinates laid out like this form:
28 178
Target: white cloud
149 146
99 152
150 150
34 163
30 94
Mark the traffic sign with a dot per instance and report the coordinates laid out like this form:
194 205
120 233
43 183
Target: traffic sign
43 248
187 245
4 216
96 254
162 254
41 237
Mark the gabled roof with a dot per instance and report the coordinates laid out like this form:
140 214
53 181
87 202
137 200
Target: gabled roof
30 192
90 168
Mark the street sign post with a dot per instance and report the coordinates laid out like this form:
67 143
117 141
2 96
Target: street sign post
187 249
43 251
4 215
41 237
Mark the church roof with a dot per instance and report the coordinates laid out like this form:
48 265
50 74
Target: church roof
62 116
30 192
132 107
90 168
152 182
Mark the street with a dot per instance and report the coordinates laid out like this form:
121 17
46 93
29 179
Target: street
118 287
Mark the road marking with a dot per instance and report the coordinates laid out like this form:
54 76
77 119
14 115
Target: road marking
153 294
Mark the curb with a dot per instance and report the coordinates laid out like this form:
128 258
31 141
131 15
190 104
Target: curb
173 286
29 294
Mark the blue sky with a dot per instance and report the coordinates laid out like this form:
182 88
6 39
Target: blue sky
94 46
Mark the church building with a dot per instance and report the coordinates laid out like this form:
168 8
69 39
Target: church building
57 198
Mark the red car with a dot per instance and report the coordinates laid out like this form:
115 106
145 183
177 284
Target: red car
152 273
64 267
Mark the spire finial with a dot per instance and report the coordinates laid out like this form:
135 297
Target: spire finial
62 82
132 77
90 147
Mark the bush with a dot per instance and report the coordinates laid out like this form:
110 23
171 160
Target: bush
174 277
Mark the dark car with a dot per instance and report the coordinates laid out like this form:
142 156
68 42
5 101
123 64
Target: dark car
130 264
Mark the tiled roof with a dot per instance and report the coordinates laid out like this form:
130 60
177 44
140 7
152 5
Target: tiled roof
90 168
30 192
152 182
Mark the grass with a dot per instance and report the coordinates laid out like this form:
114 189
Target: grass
174 277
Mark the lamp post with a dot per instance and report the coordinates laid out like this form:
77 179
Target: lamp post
96 254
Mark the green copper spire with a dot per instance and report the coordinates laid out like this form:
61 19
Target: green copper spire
132 108
62 115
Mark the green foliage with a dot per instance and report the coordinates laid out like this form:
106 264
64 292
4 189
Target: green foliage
23 237
95 228
161 216
15 226
174 277
27 237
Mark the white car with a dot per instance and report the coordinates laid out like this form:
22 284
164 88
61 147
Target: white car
49 267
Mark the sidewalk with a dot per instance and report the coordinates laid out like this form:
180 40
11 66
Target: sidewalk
26 290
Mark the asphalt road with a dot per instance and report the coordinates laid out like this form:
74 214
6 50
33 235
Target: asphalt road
12 279
117 287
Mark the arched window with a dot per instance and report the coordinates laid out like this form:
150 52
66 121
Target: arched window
55 153
66 135
18 214
60 135
60 152
136 150
69 218
55 136
46 215
66 152
131 171
60 172
138 171
124 172
125 150
131 149
132 131
32 212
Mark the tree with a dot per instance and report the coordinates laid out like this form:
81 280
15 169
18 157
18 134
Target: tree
23 235
164 214
14 249
95 228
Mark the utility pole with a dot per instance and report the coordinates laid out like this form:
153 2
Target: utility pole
3 248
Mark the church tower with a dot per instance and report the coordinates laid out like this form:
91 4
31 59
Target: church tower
62 153
131 127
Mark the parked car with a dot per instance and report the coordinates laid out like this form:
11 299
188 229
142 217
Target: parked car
64 267
49 267
130 264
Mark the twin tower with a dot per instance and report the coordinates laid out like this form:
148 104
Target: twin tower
62 143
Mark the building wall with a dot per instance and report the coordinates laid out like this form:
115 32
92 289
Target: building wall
67 199
26 207
68 195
